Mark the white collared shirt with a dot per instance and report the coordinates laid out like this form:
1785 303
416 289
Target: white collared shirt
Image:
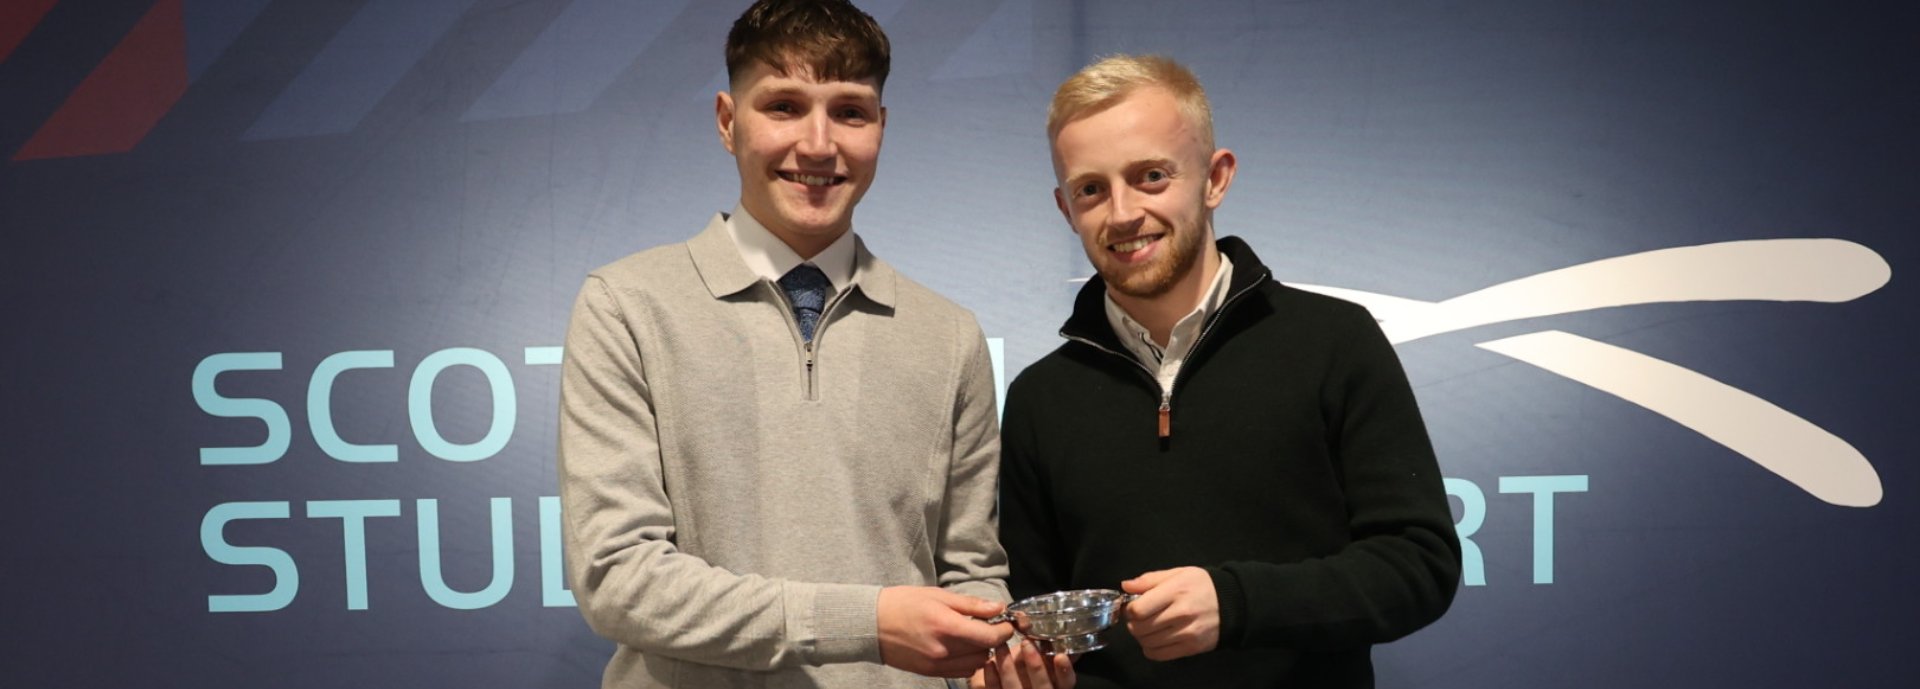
770 258
1165 363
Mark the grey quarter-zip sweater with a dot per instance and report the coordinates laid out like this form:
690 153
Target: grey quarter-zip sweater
734 500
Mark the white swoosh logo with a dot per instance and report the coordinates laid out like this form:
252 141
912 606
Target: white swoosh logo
1821 270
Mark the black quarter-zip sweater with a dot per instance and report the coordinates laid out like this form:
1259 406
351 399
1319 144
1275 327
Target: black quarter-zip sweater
1295 470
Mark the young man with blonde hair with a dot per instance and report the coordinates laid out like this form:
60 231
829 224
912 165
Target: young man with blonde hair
778 455
1246 457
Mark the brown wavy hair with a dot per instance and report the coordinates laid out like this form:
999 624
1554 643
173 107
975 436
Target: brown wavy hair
831 39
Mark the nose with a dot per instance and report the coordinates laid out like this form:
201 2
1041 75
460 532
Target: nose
1124 212
816 142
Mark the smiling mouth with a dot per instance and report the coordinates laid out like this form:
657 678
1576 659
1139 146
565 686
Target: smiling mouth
813 180
1135 244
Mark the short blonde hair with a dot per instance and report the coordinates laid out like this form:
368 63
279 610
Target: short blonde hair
1102 84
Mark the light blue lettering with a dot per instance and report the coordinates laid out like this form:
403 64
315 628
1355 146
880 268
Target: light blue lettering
553 572
353 525
420 404
214 541
279 429
1473 515
436 584
543 356
1543 488
320 407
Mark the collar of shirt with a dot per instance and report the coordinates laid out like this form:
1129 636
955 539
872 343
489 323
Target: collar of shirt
1165 362
770 258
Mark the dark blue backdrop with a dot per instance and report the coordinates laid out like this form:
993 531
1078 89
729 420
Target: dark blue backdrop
429 180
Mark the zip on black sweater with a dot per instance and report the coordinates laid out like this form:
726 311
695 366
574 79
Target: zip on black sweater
1165 416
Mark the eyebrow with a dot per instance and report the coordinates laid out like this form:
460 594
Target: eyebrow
834 93
1167 163
1135 166
781 92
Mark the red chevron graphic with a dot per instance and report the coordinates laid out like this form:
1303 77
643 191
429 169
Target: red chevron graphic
115 107
17 19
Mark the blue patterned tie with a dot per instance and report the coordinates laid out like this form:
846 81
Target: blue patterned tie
806 287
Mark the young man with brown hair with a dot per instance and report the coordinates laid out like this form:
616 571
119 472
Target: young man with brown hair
778 455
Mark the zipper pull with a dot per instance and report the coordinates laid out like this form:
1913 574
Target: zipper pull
1166 415
809 358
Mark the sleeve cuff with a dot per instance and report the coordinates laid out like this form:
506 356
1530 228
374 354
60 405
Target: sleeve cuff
1233 606
838 622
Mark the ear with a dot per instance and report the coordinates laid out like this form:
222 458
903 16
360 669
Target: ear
1220 176
723 118
1060 202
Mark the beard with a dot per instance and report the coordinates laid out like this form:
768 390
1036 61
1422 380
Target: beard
1179 254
